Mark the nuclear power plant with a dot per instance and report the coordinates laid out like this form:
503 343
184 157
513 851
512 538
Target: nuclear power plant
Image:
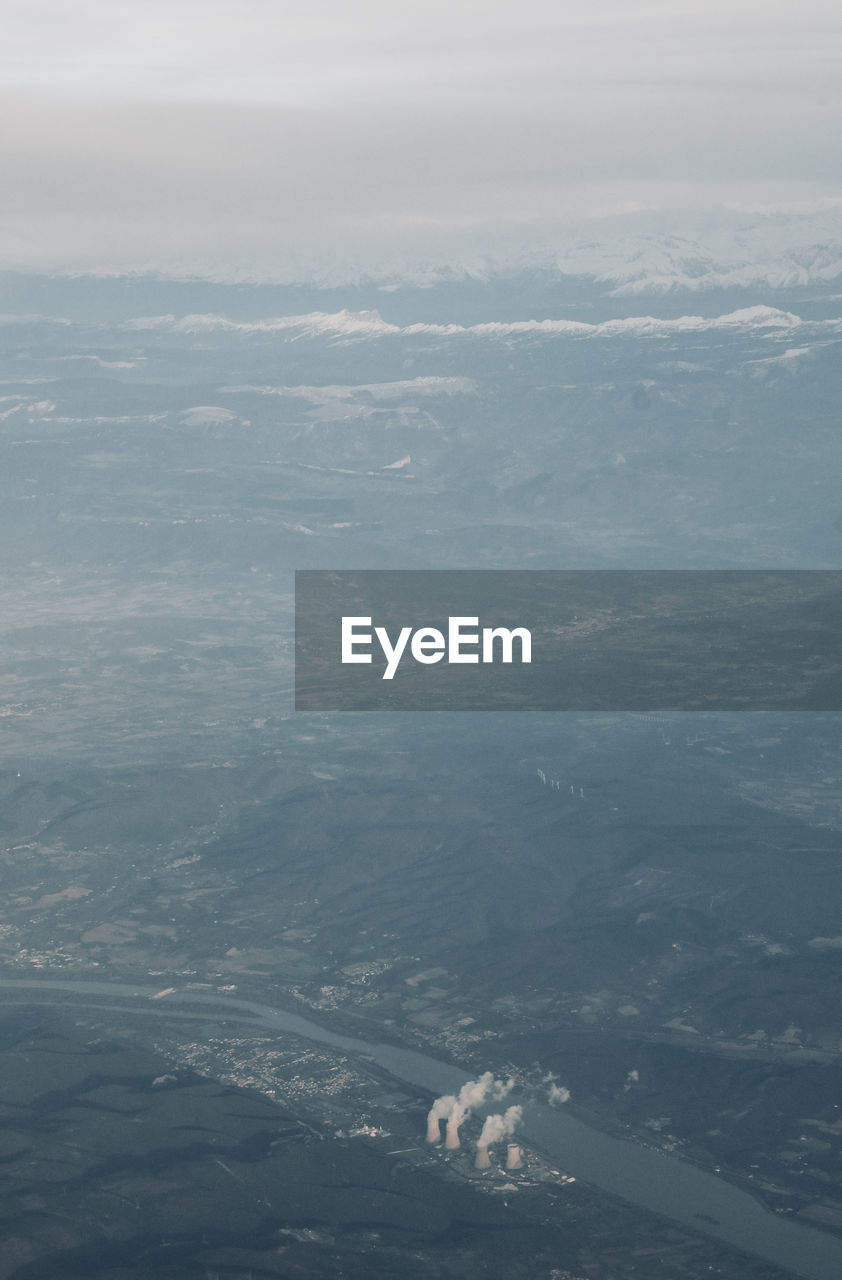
455 1109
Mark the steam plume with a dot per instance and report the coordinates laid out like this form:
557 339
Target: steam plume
500 1088
558 1094
497 1127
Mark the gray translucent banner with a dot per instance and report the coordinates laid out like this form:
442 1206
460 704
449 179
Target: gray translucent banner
577 640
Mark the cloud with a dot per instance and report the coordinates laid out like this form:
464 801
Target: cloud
329 50
277 141
826 944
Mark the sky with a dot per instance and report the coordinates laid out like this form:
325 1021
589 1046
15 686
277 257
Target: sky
275 139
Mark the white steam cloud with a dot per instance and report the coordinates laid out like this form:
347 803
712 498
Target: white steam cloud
500 1126
558 1095
502 1087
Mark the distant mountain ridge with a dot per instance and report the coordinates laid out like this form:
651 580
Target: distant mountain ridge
729 246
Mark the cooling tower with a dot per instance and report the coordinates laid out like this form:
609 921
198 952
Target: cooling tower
482 1161
513 1156
433 1128
452 1138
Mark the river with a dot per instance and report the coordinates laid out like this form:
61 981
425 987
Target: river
660 1183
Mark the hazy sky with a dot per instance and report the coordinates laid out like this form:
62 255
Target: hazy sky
270 133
